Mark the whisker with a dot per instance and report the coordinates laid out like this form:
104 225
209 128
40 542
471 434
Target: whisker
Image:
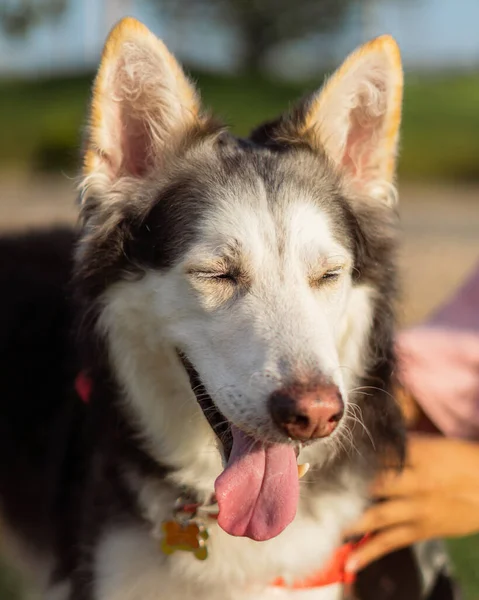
354 418
371 387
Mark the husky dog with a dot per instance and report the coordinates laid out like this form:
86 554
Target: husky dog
228 305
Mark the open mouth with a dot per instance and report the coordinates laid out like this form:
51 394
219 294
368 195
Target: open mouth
215 418
258 491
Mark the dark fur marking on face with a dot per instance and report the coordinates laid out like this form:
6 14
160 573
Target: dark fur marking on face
169 228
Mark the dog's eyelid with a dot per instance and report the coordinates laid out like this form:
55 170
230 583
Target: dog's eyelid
328 276
210 274
207 266
214 274
328 269
333 274
334 270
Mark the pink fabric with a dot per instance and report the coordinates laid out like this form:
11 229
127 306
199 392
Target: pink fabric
439 363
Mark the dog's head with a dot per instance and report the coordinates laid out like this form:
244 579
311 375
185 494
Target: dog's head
264 265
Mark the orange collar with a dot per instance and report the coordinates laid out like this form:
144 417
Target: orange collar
333 572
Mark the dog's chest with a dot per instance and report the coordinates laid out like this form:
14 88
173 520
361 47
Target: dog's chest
130 564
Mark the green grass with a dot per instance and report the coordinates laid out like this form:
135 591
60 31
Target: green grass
465 556
40 121
10 584
441 128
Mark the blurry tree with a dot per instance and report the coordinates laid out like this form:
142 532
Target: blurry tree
17 17
261 24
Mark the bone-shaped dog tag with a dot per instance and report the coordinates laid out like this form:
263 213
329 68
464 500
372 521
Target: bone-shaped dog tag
187 537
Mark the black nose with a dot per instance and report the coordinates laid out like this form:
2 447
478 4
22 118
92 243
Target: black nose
307 413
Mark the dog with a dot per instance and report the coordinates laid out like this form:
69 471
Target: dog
220 322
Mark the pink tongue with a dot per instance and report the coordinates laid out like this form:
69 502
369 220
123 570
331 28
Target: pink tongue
258 491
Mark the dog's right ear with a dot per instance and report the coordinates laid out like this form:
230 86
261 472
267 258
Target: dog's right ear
142 106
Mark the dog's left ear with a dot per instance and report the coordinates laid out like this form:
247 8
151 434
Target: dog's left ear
355 117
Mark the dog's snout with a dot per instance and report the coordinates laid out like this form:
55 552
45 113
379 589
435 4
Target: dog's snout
307 414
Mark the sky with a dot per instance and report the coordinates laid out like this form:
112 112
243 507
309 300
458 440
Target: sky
431 33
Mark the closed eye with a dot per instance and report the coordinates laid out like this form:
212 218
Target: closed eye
215 276
331 275
325 278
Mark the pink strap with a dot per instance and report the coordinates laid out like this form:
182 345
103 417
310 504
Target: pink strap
83 387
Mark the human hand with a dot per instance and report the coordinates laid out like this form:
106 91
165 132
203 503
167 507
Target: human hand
437 495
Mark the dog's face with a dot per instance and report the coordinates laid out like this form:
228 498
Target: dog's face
247 256
256 299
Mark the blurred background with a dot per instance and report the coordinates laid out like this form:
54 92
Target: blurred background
251 59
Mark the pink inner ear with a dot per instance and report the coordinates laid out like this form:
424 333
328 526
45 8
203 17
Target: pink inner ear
135 145
366 121
359 148
129 139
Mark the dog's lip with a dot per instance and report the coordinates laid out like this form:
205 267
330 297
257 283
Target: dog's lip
218 423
